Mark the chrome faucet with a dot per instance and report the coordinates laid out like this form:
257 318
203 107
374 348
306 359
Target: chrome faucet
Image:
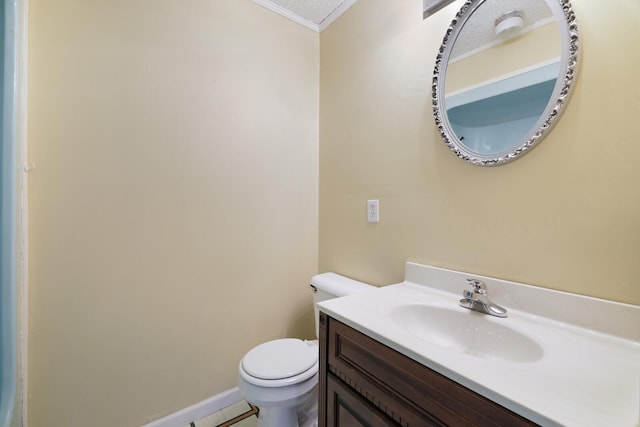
476 299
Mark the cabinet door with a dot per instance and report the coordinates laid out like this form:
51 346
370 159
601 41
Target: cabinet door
403 390
345 408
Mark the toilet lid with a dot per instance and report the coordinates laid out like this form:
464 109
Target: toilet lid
279 359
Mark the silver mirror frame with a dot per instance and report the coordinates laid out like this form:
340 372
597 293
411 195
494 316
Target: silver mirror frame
557 102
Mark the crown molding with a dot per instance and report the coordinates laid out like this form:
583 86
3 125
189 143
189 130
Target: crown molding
335 14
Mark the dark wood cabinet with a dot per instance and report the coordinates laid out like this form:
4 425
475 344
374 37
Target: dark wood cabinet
365 383
348 409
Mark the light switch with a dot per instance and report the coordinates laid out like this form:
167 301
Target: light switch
373 211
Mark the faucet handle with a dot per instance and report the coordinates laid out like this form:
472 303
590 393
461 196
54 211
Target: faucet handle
478 286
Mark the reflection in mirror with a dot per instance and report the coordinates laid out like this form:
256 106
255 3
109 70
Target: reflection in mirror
502 76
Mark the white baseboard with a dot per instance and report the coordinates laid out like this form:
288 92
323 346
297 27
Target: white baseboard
194 412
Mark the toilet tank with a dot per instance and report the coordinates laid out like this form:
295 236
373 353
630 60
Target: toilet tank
327 286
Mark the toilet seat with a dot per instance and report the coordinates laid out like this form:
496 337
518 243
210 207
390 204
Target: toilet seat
280 362
279 359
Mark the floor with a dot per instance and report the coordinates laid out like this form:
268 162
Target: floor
242 414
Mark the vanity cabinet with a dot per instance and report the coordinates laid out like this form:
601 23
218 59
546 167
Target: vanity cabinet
365 383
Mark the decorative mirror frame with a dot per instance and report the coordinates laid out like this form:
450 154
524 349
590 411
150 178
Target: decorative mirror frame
558 99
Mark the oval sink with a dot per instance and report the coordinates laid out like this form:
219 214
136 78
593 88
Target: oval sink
467 332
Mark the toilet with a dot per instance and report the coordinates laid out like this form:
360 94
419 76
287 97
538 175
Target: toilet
280 377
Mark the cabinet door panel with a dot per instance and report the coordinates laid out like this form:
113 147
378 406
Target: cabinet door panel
348 409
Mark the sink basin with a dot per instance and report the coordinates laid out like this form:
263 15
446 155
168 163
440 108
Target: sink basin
468 332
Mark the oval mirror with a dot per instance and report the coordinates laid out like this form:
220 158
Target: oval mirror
503 75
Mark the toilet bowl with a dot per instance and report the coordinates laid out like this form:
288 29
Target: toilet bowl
280 377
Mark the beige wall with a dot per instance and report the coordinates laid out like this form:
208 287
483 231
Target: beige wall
566 216
173 208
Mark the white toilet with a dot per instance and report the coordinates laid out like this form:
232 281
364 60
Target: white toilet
280 377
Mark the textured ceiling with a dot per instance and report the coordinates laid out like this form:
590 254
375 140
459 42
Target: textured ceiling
314 14
315 11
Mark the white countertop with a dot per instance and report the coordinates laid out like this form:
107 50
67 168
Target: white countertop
589 370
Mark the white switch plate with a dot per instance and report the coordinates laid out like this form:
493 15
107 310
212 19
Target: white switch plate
373 211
